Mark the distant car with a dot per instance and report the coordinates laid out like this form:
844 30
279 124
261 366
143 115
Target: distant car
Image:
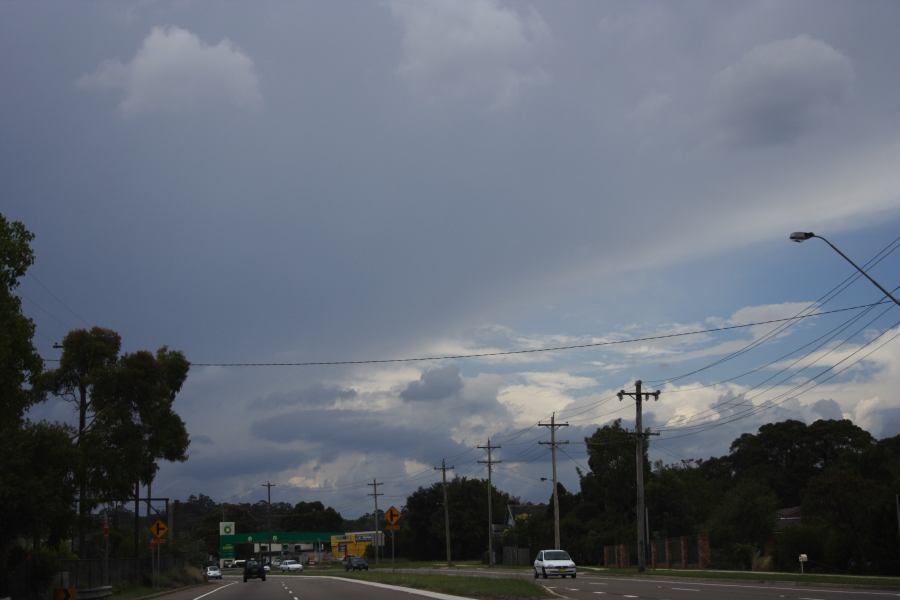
239 564
213 572
355 563
290 565
254 570
554 562
227 563
266 567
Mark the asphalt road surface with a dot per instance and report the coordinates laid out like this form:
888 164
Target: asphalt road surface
288 587
587 585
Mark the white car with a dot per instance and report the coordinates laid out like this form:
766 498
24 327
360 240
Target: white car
290 565
213 573
554 562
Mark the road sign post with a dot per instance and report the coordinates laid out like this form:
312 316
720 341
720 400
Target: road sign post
392 520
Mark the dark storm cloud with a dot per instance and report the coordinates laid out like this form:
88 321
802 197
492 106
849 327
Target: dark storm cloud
245 185
338 431
434 384
777 91
235 462
318 394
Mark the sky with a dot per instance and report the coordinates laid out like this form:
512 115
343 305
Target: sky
264 186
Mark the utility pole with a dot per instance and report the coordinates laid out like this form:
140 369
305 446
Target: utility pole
268 487
639 434
375 495
490 464
443 469
553 425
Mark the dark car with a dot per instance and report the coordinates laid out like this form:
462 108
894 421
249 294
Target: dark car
253 569
355 563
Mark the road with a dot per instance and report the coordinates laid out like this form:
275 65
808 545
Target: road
586 586
301 587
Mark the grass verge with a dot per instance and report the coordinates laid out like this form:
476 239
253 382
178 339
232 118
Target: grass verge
486 588
764 576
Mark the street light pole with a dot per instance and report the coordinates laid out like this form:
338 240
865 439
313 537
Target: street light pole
802 236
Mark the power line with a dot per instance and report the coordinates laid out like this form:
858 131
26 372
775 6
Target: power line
808 310
701 427
744 397
326 363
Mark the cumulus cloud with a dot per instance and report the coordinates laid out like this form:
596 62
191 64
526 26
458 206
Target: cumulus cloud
779 90
175 70
828 409
475 48
436 384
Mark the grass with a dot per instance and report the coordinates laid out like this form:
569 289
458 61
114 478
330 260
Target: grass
168 580
762 576
131 592
474 587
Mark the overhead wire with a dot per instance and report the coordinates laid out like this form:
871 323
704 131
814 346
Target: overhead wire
745 396
321 363
793 392
807 311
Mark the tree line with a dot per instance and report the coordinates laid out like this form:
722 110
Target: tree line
841 483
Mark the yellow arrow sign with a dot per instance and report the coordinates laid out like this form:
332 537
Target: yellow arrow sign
159 529
392 516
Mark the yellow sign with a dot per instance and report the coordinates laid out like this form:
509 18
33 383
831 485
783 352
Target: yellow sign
392 527
392 516
159 529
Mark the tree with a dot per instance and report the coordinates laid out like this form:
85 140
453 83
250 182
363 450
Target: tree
609 490
312 516
35 484
87 358
423 519
135 425
20 364
788 454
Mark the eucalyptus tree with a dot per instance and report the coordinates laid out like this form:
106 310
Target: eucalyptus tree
35 484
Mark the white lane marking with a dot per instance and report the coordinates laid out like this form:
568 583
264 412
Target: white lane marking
692 590
296 598
572 589
411 591
598 583
630 596
599 592
221 587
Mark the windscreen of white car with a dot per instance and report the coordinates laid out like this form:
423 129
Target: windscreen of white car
556 555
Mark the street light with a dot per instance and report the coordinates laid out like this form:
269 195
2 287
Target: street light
802 236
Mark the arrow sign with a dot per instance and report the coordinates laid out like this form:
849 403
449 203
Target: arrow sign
159 529
392 516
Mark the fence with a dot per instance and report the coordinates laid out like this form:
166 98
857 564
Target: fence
85 574
516 556
685 552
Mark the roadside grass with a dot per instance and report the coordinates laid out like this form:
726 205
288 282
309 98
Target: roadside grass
486 588
131 592
168 580
759 576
